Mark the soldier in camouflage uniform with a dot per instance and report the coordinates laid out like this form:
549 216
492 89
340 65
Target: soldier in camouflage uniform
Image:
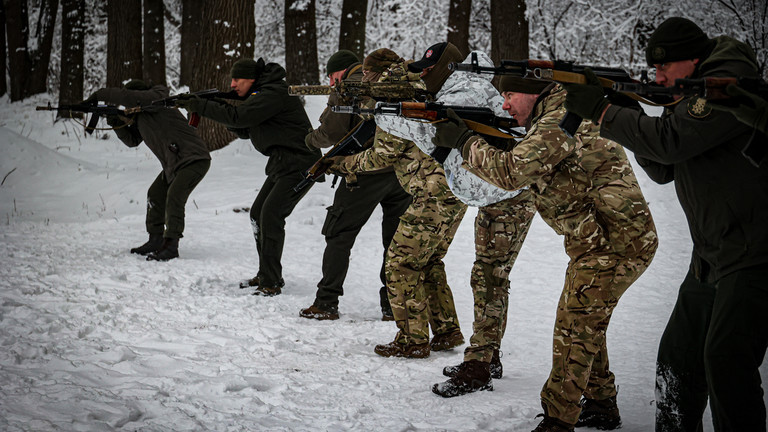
502 221
416 281
352 206
585 189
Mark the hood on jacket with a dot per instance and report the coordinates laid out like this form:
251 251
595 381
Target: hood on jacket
272 72
729 50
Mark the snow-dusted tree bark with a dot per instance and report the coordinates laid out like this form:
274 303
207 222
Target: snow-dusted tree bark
352 33
3 59
124 48
192 12
458 24
72 39
300 42
227 33
29 66
509 30
154 42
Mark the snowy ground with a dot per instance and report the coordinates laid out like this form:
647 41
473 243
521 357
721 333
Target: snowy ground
94 338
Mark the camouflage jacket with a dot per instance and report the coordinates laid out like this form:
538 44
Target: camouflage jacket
465 89
583 187
723 195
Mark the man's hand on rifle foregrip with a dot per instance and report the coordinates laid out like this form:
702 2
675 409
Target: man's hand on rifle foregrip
189 102
586 100
752 109
452 132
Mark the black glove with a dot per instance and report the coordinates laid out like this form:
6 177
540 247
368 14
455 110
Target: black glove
452 133
752 110
190 103
586 100
92 100
114 121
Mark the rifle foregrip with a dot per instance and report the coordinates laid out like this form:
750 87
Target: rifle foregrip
570 124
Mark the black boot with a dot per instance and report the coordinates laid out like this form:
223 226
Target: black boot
153 244
472 376
496 368
599 414
168 251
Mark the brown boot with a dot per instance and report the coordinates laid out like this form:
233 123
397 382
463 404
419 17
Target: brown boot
472 376
271 290
396 349
495 367
551 424
318 313
446 341
599 414
248 283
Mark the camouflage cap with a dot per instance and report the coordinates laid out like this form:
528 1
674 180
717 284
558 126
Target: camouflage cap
511 83
378 61
341 60
677 39
248 68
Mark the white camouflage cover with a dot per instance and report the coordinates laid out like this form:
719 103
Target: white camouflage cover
460 88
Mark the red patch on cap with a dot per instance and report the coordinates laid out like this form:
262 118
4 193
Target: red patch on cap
428 54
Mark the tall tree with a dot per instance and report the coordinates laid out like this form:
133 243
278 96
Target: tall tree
458 24
154 41
29 66
72 36
226 35
191 16
301 42
352 31
3 84
509 30
124 50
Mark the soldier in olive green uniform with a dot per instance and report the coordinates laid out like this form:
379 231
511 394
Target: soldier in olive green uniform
416 281
585 189
352 206
716 337
183 155
276 124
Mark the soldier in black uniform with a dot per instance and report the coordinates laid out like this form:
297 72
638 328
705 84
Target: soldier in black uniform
181 152
276 124
352 204
716 338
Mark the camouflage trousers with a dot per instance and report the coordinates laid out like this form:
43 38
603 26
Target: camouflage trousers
416 283
593 285
500 230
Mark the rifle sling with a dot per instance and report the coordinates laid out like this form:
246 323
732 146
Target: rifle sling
577 78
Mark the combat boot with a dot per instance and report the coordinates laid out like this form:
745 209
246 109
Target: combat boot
247 283
320 313
599 414
168 251
495 367
270 291
396 349
551 424
446 341
153 244
471 376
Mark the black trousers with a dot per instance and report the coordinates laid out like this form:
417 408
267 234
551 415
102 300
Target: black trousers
273 204
350 211
166 201
712 347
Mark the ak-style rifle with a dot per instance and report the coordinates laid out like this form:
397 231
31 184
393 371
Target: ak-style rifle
352 92
557 70
709 88
353 142
194 118
96 112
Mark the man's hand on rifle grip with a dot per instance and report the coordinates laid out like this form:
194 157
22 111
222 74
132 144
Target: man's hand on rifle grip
190 103
452 132
586 100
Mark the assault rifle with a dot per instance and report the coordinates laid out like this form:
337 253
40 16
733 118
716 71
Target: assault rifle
557 70
479 119
96 112
194 118
710 88
352 92
353 142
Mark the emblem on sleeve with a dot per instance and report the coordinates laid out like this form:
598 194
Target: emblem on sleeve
698 108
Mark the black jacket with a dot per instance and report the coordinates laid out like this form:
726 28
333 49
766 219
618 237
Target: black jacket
275 122
724 196
164 130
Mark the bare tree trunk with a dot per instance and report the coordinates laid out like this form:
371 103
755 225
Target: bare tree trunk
509 30
300 42
352 32
191 16
226 35
154 42
3 58
458 24
72 43
29 68
124 52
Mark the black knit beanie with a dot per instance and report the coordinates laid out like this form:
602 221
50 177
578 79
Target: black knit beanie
248 68
136 84
677 39
341 60
511 83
